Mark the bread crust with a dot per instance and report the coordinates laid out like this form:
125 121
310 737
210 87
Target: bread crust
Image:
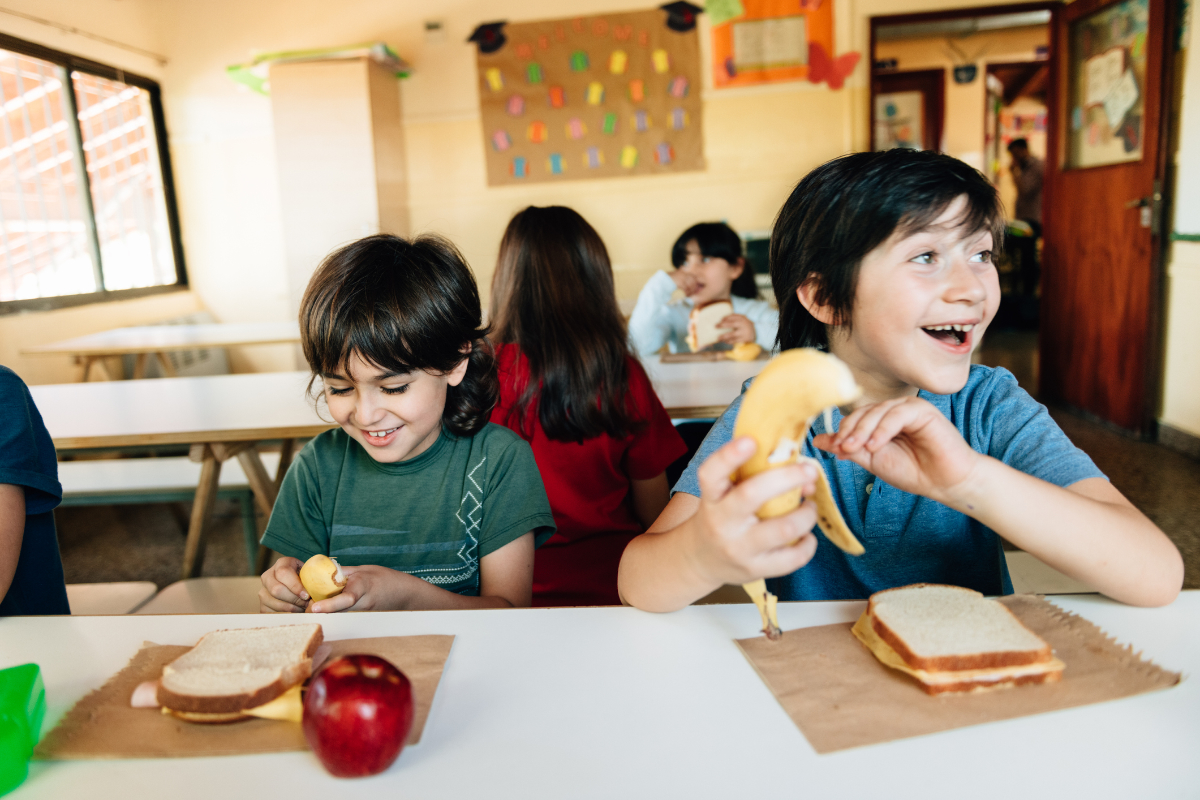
291 675
981 686
953 663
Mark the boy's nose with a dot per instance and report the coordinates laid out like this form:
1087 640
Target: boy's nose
966 284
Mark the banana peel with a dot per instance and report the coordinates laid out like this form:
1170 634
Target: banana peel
777 411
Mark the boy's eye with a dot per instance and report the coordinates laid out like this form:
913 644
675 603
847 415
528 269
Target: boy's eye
333 390
925 258
401 389
982 257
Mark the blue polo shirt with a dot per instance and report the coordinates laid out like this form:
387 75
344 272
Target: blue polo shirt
909 538
27 459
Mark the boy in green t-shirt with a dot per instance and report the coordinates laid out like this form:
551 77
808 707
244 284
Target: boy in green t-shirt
424 503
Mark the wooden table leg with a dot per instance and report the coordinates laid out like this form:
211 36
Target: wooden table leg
206 493
265 492
167 367
139 366
286 450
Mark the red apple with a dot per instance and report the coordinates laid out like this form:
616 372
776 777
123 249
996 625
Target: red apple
357 714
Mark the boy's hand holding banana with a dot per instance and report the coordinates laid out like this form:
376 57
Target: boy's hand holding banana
776 412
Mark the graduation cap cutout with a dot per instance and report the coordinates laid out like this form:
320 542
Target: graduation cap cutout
489 36
681 16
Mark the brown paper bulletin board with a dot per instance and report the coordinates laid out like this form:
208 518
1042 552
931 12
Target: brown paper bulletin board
591 97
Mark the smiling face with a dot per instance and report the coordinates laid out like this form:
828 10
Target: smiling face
714 276
921 306
394 416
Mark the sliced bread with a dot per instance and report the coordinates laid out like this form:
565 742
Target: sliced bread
229 671
948 628
702 324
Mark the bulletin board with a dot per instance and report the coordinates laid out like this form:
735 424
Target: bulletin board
771 41
591 97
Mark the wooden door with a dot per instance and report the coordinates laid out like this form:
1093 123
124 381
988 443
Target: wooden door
907 109
1102 211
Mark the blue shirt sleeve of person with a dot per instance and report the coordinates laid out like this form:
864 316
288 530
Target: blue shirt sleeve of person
27 459
908 538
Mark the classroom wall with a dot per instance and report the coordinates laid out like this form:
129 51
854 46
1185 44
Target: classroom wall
962 132
1181 385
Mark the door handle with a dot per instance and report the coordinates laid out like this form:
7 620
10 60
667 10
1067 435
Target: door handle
1138 203
1151 206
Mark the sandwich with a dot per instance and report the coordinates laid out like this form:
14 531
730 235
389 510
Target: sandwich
236 674
777 411
702 324
952 639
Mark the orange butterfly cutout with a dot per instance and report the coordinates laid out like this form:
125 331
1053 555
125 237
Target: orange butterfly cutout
833 71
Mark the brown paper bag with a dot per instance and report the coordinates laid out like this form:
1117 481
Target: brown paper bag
102 724
840 696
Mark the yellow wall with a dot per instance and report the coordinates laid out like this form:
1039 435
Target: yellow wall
962 133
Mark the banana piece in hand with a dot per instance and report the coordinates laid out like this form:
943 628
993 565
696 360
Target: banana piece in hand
322 577
776 412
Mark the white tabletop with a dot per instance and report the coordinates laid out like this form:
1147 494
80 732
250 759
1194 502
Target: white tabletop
212 408
695 389
614 702
161 338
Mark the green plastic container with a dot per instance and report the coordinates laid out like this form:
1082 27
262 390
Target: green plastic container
22 708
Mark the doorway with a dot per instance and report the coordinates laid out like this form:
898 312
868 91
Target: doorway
992 68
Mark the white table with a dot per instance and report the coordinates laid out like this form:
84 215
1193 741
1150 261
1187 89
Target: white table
699 389
220 416
616 703
158 340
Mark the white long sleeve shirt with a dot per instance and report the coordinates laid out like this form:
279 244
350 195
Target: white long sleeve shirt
657 321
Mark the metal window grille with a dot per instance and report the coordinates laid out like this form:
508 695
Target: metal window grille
83 200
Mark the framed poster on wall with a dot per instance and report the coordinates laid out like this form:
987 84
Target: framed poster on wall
770 41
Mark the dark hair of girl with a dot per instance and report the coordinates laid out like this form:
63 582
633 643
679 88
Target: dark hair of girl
402 305
847 207
553 296
717 240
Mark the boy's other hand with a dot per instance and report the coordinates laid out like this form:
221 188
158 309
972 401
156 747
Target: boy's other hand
738 329
281 588
906 442
734 545
685 281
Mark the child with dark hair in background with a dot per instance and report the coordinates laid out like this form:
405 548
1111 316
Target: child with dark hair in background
569 385
31 573
885 261
424 503
709 267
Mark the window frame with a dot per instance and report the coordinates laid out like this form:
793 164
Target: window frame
76 63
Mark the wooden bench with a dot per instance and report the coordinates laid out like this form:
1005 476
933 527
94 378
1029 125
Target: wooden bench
108 599
126 481
206 596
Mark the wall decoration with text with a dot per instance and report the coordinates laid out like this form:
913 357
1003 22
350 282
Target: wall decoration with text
778 40
591 97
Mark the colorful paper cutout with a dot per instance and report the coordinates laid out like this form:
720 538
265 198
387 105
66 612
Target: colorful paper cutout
622 32
556 164
768 41
661 61
489 36
664 154
618 62
610 123
720 11
595 93
538 132
515 105
579 61
576 129
832 71
629 156
520 168
679 119
640 121
557 97
593 158
637 90
678 87
525 51
501 141
533 73
495 79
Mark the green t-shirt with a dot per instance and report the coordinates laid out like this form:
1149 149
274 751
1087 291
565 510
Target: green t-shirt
433 517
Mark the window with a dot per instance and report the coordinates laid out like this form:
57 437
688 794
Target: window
86 202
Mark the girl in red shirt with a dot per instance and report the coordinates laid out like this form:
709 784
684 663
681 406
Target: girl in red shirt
571 388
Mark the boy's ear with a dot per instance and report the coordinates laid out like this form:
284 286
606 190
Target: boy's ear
739 268
807 294
455 376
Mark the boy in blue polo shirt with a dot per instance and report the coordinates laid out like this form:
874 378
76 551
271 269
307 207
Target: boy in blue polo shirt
884 260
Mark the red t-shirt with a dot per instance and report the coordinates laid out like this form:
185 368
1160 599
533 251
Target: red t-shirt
588 486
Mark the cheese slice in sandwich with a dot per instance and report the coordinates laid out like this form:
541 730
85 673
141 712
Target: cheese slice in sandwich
702 324
232 674
953 639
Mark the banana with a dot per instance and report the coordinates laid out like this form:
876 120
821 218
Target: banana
776 412
322 577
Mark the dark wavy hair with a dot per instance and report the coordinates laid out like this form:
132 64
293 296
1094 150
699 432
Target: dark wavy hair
847 207
402 305
553 296
717 240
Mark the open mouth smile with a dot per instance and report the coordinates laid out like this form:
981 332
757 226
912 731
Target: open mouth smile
380 438
957 336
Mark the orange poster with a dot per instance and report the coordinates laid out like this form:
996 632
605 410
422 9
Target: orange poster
771 41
